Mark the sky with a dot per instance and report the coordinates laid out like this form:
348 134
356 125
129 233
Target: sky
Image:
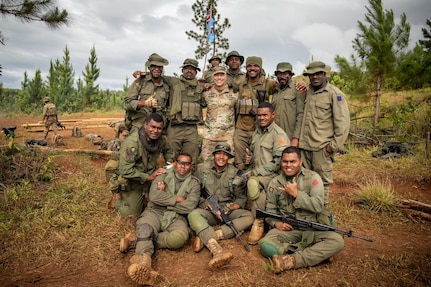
125 32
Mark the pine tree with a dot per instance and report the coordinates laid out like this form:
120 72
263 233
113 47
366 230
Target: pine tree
91 74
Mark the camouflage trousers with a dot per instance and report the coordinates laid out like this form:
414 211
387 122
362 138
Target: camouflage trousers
50 122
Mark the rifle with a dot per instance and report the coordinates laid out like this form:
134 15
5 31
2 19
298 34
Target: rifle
215 207
303 224
60 125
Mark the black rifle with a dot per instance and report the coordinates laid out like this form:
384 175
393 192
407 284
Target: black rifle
60 125
303 224
212 201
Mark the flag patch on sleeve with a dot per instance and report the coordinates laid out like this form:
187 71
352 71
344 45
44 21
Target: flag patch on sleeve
315 182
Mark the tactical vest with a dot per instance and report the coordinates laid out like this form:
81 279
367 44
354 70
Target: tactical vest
226 179
51 110
191 109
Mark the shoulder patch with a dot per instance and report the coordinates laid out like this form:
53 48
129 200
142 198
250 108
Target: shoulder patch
339 98
130 153
281 142
315 182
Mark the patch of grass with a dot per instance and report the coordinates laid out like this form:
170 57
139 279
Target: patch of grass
377 195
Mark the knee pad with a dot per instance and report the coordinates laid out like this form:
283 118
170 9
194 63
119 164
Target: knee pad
268 248
253 188
176 239
197 222
145 232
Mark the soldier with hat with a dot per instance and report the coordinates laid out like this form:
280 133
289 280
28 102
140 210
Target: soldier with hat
147 94
252 91
325 124
288 102
215 62
218 178
50 117
220 117
234 74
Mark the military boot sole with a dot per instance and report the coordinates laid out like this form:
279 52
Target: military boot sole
197 244
142 275
220 260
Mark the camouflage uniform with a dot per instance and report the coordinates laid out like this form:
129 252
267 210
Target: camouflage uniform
326 121
246 105
289 105
49 117
220 184
185 112
140 90
136 164
219 121
164 221
308 247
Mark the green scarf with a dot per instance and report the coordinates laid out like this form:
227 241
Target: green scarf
169 216
176 101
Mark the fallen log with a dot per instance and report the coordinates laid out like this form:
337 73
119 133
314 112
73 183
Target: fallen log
413 214
415 205
73 150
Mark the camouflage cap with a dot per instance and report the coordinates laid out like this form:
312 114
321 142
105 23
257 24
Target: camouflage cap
236 54
191 62
214 58
284 67
46 99
254 60
224 147
316 67
156 60
219 70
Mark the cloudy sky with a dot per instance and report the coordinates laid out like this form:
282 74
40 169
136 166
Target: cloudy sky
125 32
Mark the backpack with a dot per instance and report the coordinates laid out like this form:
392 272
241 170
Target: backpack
51 110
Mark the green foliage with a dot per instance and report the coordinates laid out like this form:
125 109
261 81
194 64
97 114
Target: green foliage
377 195
200 9
353 77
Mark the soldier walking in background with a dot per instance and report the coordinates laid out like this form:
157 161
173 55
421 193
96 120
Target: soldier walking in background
50 117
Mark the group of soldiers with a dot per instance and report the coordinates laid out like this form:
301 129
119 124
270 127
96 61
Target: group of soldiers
267 144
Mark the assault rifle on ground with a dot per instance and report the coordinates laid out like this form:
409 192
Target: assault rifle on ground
212 201
303 224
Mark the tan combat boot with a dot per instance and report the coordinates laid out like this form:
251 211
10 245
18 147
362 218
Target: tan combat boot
197 244
140 270
283 263
256 232
128 242
115 197
220 257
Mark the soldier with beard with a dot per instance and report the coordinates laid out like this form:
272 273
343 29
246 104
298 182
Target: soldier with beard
138 164
288 102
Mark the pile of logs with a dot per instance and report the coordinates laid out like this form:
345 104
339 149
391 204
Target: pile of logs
415 209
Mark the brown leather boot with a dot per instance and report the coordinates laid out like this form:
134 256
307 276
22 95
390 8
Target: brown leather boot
197 244
128 242
220 257
140 270
283 263
256 232
115 197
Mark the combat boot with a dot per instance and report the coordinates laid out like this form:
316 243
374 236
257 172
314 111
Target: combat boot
197 244
220 257
115 197
140 270
128 242
256 231
283 263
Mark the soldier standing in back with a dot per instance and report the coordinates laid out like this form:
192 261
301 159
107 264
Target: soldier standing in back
208 74
147 94
325 124
254 90
288 102
49 117
234 74
219 123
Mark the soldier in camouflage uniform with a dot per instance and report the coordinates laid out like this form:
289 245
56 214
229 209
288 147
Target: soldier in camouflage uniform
138 157
325 124
220 117
163 224
208 74
246 109
147 94
50 118
217 177
288 102
263 162
234 74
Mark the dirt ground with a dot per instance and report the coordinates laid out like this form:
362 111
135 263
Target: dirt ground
399 255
